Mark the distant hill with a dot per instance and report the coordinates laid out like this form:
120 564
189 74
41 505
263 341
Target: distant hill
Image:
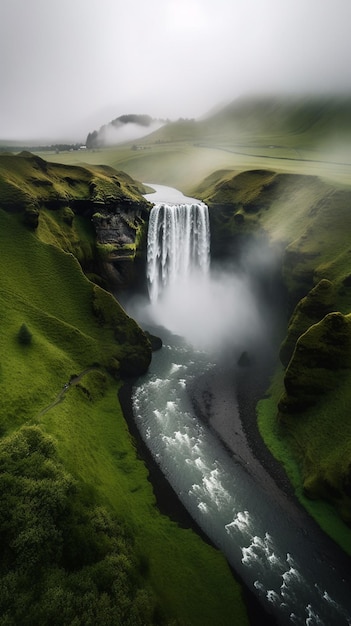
123 128
267 120
294 115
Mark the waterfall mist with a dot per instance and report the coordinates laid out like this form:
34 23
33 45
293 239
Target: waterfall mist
213 308
209 310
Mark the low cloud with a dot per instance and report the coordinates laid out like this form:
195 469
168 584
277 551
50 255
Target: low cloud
111 135
67 61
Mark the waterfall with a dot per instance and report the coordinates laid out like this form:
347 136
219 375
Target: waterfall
178 244
205 305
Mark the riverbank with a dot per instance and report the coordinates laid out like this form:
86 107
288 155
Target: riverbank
226 398
250 386
167 500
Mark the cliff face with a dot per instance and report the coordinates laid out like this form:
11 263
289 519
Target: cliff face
57 201
308 222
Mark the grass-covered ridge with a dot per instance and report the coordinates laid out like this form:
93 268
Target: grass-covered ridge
306 218
85 542
28 179
94 212
308 221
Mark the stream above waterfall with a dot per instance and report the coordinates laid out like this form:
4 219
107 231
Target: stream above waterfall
187 413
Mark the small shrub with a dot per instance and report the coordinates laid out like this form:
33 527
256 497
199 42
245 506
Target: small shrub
31 217
24 335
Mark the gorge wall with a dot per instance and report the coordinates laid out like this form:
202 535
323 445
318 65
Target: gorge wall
306 222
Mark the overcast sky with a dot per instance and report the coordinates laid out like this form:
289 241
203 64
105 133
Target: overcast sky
69 66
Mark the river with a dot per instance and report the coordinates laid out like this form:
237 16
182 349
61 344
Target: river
277 551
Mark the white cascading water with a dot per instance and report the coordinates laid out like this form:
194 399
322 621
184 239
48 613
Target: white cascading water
185 294
178 244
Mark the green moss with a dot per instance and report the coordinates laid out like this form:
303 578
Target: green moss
318 364
76 237
105 249
314 409
113 251
67 215
246 189
310 310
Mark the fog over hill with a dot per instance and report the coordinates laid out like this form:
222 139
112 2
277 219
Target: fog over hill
248 118
123 128
245 117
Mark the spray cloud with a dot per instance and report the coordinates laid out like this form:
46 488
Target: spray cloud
216 309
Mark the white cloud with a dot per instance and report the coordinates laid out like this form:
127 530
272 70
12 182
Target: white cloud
187 16
63 63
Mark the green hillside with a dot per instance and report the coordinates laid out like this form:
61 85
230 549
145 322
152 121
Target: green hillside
82 540
305 420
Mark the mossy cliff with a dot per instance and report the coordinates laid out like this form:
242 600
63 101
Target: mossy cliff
82 540
313 409
308 223
94 212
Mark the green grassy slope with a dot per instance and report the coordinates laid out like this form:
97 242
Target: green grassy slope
309 222
95 212
299 122
26 178
75 326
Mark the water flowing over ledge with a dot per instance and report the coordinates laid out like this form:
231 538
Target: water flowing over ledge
178 244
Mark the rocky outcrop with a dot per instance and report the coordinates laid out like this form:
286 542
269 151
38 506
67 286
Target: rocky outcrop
318 364
309 310
112 201
121 238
